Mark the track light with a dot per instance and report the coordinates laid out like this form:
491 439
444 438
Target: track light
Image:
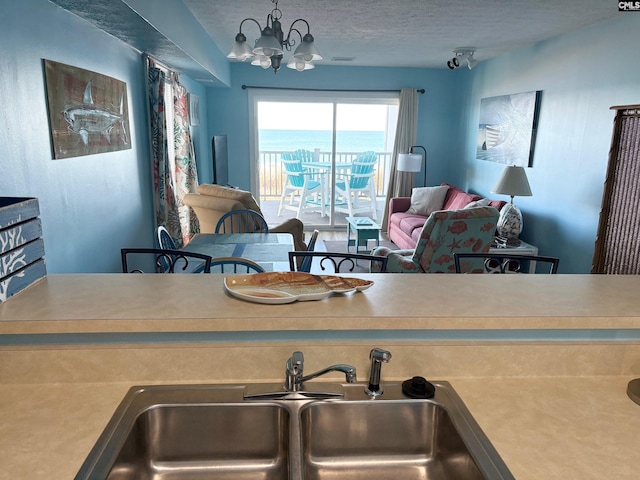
463 54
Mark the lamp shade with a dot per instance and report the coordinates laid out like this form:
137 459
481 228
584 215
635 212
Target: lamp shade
409 162
307 50
267 44
513 182
240 50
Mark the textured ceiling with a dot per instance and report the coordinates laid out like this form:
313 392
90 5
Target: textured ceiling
404 33
407 33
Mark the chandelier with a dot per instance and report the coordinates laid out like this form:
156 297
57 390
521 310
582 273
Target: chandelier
268 50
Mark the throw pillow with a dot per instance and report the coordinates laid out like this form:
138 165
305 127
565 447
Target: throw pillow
483 202
426 200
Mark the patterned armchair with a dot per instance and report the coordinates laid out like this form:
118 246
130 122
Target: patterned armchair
444 233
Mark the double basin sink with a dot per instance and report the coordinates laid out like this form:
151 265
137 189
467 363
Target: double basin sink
219 432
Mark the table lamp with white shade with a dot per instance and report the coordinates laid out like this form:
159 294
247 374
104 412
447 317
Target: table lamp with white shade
412 162
512 182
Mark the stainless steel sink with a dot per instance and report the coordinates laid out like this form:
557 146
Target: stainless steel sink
355 440
213 431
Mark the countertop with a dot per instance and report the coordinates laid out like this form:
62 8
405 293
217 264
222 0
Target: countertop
543 428
178 303
541 361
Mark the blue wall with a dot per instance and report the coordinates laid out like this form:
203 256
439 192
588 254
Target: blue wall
91 206
228 108
581 75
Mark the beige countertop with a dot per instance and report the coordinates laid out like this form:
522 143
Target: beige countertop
179 303
554 409
543 428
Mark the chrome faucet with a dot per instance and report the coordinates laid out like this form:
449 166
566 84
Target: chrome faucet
294 379
377 356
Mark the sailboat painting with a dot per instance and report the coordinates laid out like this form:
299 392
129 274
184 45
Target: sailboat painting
507 128
88 111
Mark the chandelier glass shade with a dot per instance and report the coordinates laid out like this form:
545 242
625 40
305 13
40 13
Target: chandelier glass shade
268 50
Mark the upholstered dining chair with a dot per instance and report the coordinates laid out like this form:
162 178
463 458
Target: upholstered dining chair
160 260
503 263
444 233
242 221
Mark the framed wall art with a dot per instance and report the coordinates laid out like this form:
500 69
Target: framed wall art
194 109
507 128
88 111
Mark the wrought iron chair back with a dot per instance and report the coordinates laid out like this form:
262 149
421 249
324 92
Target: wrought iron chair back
340 262
242 221
166 260
165 240
235 265
502 263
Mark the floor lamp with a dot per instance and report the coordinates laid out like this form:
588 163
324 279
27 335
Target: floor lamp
412 162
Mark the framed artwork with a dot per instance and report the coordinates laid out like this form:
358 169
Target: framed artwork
507 128
194 109
88 111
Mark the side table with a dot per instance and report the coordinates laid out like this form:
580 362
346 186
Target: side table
364 229
522 249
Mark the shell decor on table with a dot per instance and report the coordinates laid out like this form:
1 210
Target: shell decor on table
288 287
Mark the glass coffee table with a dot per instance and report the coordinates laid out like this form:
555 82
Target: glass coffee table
364 229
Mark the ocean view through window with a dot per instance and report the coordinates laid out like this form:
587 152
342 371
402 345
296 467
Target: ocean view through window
328 135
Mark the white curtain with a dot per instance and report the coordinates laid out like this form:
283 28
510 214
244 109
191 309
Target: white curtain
401 183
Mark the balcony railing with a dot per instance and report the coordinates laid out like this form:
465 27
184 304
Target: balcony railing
273 176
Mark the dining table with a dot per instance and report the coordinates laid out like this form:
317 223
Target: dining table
269 250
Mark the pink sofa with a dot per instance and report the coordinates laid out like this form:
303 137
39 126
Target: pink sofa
404 228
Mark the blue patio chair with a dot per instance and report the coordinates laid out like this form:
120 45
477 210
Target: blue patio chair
356 189
305 192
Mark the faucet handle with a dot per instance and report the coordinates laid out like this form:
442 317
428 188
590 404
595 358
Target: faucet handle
295 364
294 367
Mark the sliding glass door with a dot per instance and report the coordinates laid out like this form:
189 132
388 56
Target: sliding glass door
311 149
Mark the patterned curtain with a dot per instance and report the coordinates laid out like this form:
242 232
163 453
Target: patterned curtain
172 157
186 175
400 183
